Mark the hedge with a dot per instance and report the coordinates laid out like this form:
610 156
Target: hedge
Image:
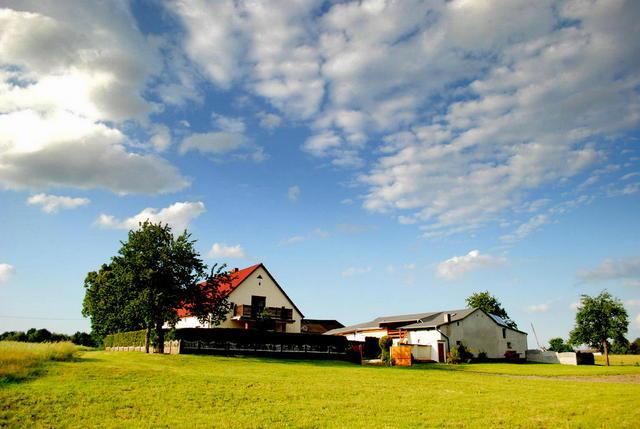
125 339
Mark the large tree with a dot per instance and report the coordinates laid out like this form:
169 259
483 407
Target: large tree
154 275
110 301
489 304
599 320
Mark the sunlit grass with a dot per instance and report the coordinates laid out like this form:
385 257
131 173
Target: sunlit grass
121 389
619 360
20 360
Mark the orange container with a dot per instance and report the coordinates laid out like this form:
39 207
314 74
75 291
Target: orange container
401 355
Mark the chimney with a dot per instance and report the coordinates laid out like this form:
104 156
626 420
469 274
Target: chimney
235 270
447 317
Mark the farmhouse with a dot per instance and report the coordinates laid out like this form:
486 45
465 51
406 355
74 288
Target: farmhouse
443 330
253 293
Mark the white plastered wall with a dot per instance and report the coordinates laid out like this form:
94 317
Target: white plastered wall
242 295
480 333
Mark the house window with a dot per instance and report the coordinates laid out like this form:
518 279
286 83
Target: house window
504 333
508 345
457 323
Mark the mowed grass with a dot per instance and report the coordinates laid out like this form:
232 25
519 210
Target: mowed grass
19 360
619 360
129 389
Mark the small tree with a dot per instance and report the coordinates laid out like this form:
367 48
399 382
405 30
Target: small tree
489 304
599 320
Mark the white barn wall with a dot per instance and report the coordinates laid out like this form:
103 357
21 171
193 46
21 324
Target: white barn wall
482 334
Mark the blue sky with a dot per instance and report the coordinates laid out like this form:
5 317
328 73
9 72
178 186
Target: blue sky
378 157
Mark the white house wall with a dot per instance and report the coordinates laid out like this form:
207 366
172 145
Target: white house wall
480 333
242 295
267 288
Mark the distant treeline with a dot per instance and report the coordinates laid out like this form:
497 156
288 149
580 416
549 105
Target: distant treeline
45 336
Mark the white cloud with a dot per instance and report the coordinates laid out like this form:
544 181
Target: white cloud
177 215
73 75
625 269
538 308
457 266
215 142
464 109
638 321
6 272
221 250
355 271
269 121
53 203
293 193
229 140
575 306
526 228
293 240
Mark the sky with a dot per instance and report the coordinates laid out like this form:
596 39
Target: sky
378 157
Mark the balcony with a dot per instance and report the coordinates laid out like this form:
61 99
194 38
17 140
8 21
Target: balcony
247 313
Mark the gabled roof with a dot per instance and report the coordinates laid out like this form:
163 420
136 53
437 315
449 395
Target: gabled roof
236 279
428 320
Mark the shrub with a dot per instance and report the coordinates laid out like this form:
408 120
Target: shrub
385 345
453 356
371 348
482 357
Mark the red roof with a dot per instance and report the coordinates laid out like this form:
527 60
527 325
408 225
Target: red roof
237 277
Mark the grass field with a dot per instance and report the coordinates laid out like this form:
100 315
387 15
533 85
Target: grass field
619 360
19 361
120 389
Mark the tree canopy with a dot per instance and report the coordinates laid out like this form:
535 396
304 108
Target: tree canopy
600 320
489 304
153 276
558 345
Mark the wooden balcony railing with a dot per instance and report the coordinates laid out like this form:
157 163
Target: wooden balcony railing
246 312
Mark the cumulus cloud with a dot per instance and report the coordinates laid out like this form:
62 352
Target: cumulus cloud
457 266
177 215
54 203
459 112
293 193
638 321
221 250
6 272
625 269
355 271
72 75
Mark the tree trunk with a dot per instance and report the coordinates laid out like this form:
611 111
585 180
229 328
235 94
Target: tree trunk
606 351
147 339
160 334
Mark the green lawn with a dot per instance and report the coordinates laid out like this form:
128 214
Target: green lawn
132 389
